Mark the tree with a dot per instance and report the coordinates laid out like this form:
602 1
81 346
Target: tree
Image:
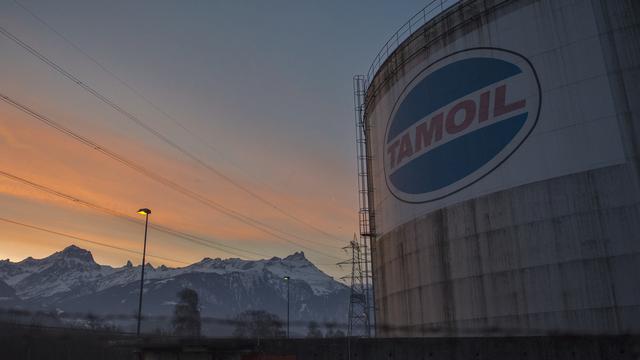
330 329
314 330
93 321
258 324
186 314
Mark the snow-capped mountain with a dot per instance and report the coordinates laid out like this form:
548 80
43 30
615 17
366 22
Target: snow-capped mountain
71 281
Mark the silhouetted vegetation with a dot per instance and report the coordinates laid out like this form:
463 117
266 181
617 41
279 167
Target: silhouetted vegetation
258 324
313 330
186 315
332 330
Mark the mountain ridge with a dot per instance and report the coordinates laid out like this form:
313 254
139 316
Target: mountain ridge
71 280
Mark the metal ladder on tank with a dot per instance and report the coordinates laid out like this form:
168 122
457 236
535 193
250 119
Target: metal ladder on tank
365 211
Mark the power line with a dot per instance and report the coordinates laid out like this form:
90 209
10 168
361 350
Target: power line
134 119
149 128
34 227
158 178
189 237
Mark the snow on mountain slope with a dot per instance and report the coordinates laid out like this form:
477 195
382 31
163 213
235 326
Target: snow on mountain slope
295 266
58 273
71 281
74 270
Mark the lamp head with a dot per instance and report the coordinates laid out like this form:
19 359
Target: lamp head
286 278
144 211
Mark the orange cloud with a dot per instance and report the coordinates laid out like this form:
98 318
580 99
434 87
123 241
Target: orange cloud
60 163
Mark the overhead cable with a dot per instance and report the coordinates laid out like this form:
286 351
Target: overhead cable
151 130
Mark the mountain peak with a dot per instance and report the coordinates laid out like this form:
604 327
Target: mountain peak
62 279
297 256
75 252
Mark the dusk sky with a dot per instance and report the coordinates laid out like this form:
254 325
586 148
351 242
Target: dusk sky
263 89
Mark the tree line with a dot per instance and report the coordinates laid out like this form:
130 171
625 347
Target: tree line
186 321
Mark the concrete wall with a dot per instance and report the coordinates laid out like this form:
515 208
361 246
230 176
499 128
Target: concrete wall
558 255
549 241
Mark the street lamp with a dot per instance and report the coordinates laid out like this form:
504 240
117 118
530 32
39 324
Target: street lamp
145 212
286 278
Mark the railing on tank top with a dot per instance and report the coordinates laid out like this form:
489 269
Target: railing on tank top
431 10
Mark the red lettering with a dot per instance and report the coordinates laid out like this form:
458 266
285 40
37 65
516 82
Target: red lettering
406 149
469 107
429 131
500 106
391 151
483 111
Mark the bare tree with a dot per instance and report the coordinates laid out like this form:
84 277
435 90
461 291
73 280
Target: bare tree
186 314
330 331
314 330
258 324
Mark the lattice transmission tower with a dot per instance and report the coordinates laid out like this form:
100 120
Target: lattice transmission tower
361 303
359 314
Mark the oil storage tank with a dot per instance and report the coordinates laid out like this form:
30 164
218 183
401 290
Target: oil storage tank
503 147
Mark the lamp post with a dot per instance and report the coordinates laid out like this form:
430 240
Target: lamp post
145 212
286 278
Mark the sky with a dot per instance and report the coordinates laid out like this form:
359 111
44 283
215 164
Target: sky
252 98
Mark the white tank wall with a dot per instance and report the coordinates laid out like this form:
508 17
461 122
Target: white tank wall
550 239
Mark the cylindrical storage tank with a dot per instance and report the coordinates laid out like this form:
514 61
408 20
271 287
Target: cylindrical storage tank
504 147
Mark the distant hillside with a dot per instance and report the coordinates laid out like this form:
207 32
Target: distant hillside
70 281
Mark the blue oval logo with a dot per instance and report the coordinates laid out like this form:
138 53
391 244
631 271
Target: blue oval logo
457 120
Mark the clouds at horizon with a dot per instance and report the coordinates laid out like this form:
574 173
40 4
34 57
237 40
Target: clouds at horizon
266 88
